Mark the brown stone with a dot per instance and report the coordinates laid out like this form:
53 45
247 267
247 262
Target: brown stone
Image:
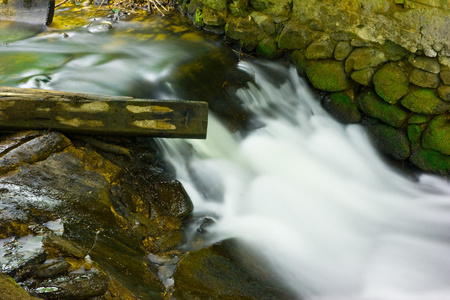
425 63
342 50
320 50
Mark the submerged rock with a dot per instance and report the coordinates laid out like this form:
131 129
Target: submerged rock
219 272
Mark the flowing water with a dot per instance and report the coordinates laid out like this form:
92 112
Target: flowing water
310 196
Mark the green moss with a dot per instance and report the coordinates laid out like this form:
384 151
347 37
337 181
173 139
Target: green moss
418 119
437 135
424 101
268 48
199 17
342 107
391 141
300 62
414 133
431 161
328 75
370 103
390 83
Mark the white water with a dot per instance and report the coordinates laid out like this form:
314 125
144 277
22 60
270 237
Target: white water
313 197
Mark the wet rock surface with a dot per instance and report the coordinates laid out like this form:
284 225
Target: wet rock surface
85 219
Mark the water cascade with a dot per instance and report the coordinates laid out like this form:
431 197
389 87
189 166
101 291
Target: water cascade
315 199
310 196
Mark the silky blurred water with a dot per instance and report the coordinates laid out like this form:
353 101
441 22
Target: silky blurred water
317 202
310 196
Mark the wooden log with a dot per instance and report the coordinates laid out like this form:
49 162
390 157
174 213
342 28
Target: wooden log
37 12
101 114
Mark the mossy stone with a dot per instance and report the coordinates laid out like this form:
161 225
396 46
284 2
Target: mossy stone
300 62
294 36
437 135
363 76
320 50
424 79
365 57
418 119
268 48
424 101
390 83
444 92
414 133
370 103
391 141
342 107
216 4
431 161
328 75
342 50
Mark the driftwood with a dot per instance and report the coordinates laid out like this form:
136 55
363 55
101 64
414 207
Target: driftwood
101 114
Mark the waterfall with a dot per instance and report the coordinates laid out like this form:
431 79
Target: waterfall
315 200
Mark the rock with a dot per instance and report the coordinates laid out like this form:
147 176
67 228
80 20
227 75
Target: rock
73 286
219 272
342 107
425 63
320 50
279 10
173 199
431 161
12 291
342 50
414 135
394 51
370 103
243 30
418 119
212 17
444 92
391 141
366 57
220 5
300 62
390 83
52 268
424 101
445 75
268 47
32 151
437 135
363 76
424 79
328 75
294 36
238 8
264 22
59 245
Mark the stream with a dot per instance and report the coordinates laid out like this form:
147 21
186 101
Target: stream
309 196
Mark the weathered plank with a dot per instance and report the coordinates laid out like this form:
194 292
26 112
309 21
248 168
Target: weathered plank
38 12
101 114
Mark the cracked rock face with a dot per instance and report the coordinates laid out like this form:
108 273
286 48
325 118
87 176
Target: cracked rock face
65 234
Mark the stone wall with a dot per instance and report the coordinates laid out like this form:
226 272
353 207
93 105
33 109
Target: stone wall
383 63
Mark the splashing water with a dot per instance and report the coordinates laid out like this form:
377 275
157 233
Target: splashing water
313 198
